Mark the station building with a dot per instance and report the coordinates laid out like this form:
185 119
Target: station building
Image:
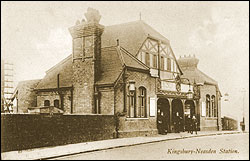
131 71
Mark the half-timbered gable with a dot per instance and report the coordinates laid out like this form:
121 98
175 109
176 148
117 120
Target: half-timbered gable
159 56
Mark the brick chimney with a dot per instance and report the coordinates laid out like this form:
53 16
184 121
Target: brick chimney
188 62
86 59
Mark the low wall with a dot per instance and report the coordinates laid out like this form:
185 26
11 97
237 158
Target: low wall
26 131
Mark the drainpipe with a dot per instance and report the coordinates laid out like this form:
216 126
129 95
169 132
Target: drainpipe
71 100
124 91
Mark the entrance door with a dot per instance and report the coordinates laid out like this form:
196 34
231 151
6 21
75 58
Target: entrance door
163 114
177 115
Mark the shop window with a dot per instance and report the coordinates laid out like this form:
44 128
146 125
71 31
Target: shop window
142 102
46 103
56 103
208 106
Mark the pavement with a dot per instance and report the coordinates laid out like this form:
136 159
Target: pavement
71 149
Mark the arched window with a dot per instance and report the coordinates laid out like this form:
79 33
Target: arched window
56 103
208 106
131 112
46 103
214 112
142 102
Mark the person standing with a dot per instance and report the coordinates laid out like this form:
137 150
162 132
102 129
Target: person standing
194 124
177 122
188 123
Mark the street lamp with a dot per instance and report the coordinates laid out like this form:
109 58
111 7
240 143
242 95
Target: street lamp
131 86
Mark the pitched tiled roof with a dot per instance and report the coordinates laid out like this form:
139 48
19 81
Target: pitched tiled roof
194 74
131 35
64 69
114 59
30 84
111 65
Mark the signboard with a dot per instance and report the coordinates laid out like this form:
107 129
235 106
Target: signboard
168 86
185 88
152 107
203 109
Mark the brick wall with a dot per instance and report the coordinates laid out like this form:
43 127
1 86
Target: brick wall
51 96
207 124
83 82
137 126
26 95
107 101
20 131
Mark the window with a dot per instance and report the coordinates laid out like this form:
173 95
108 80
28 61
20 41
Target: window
142 102
165 63
147 59
169 64
213 106
46 103
131 104
56 103
154 61
162 63
208 106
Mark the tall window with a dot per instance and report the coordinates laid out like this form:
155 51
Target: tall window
56 103
142 102
213 106
162 63
207 105
131 104
169 64
147 59
154 61
46 103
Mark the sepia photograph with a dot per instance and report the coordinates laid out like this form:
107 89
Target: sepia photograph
124 80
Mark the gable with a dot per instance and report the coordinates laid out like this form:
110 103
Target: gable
151 46
131 35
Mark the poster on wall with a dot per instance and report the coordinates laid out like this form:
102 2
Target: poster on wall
152 107
203 109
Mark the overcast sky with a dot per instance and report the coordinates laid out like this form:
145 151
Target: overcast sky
35 36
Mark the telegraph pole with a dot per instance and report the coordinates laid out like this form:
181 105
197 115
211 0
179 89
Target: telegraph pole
243 110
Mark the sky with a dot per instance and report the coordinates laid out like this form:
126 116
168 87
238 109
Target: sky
35 36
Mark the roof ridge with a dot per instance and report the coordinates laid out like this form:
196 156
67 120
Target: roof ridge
130 22
121 56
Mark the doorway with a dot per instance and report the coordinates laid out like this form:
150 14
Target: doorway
177 111
163 114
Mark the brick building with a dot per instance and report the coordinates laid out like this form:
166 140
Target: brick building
208 105
127 70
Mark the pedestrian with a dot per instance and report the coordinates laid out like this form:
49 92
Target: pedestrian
177 122
194 124
188 124
161 125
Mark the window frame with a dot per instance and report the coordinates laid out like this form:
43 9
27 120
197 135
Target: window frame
46 102
142 107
